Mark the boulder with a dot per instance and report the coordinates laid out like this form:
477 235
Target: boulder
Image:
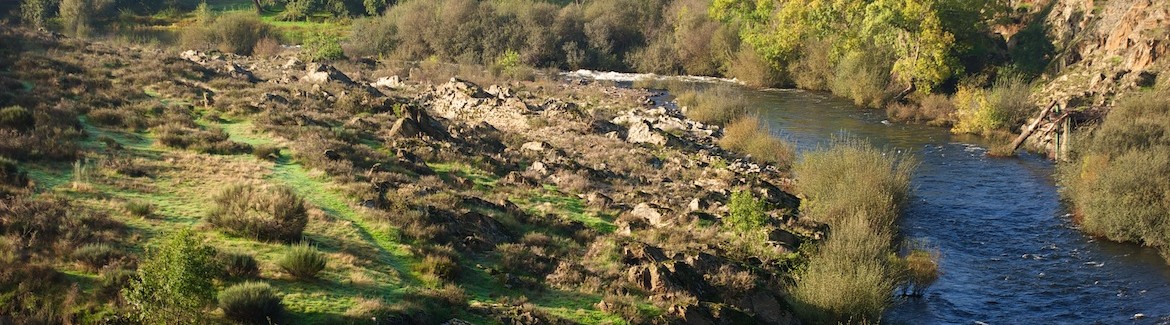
405 128
322 73
536 146
768 309
391 82
639 253
643 132
650 214
783 237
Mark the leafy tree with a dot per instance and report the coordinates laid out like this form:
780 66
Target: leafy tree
174 283
35 12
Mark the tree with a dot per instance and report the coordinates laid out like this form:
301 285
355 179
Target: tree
174 283
76 15
34 12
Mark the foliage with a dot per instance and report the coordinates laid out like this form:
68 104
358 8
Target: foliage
251 303
174 282
859 192
95 256
745 212
920 268
238 265
17 118
984 111
1117 178
717 105
267 213
748 135
302 261
35 13
233 33
322 47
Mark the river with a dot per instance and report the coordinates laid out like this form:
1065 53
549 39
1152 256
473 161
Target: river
1010 253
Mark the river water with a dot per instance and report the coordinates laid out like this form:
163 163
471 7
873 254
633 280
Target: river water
1010 254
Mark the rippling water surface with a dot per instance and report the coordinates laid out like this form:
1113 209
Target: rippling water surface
1010 254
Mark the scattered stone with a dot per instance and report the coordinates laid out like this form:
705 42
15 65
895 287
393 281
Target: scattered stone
537 146
322 73
650 214
391 82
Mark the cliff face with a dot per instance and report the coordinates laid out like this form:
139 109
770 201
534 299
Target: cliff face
1103 50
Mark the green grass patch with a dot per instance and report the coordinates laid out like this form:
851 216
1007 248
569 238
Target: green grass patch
567 205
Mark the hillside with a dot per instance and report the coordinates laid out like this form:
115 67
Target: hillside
521 202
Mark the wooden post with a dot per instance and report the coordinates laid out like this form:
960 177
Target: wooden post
1032 127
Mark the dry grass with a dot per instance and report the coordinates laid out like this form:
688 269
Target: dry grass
750 136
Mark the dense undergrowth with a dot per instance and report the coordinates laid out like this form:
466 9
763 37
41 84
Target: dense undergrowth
1116 180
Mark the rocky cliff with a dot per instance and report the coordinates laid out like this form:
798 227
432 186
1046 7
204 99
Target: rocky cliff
1103 50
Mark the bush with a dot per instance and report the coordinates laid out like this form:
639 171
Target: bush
139 208
999 109
1117 179
10 173
372 36
717 105
267 47
753 70
322 47
745 212
302 262
266 152
859 192
921 270
95 256
853 178
748 135
17 118
238 265
239 32
106 117
266 213
861 77
251 303
933 109
174 282
439 266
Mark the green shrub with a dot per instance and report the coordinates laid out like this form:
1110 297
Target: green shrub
439 266
322 47
174 282
853 178
753 70
745 212
1117 178
95 256
238 265
267 213
748 135
302 261
717 105
17 118
859 192
239 32
139 208
251 303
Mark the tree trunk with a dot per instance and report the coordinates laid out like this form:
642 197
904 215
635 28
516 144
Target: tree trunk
259 8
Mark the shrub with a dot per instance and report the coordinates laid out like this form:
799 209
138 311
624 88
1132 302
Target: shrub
372 36
17 118
302 262
10 173
106 117
267 47
717 105
266 152
754 70
239 265
95 256
849 280
267 213
745 212
933 109
862 77
322 47
921 270
1117 178
853 178
1001 108
174 282
748 135
139 208
251 303
439 266
239 32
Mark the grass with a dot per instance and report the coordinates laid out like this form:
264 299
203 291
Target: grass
750 136
548 199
